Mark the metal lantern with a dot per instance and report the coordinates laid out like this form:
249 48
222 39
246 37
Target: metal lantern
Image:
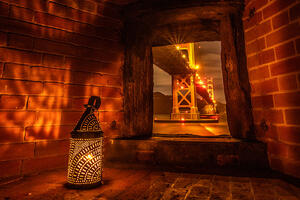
86 149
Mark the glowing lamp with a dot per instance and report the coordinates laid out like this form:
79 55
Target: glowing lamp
183 56
177 47
197 67
86 149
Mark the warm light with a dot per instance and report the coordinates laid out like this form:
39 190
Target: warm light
182 119
183 56
200 82
86 149
197 67
182 87
177 47
203 86
89 157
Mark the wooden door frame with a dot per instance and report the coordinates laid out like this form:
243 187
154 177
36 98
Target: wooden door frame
138 77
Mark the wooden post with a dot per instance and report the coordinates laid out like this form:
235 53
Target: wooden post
138 82
235 77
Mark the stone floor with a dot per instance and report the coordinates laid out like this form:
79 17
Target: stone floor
124 184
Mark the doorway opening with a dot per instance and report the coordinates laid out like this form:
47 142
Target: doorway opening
188 92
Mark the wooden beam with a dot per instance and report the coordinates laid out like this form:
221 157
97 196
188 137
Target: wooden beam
138 83
235 77
186 32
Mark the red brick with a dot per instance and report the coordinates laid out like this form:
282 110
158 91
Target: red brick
265 87
3 39
21 27
111 104
252 61
20 56
54 89
93 66
298 46
106 80
286 66
288 82
100 55
111 92
253 21
51 20
256 46
294 152
21 13
87 6
259 73
11 134
280 20
16 71
12 102
258 31
79 4
75 14
4 9
10 168
262 101
112 132
71 117
110 10
276 7
287 99
54 47
20 41
52 148
80 90
285 165
261 58
96 42
281 35
16 151
294 11
38 5
78 103
49 103
41 164
13 118
285 50
53 61
292 116
111 116
48 118
47 132
20 87
84 78
272 116
289 134
278 149
46 74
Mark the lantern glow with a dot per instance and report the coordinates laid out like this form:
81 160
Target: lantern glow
86 150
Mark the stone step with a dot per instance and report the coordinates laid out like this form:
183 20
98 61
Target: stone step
191 153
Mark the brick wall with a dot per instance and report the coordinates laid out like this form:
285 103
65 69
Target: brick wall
54 54
272 37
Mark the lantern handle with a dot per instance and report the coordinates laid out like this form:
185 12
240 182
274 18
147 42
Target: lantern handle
94 102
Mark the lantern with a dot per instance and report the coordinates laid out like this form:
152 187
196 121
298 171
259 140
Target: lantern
86 149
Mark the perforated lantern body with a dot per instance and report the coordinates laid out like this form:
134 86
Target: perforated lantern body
86 150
